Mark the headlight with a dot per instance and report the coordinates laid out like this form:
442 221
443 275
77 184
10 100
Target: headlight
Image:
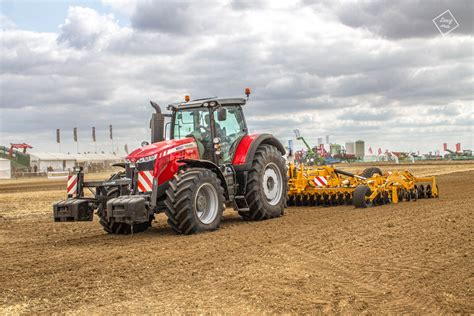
146 159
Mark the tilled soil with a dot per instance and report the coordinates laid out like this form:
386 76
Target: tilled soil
413 257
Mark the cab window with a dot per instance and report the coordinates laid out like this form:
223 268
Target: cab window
187 122
229 129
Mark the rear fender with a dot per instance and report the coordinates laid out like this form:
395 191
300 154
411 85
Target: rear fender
247 147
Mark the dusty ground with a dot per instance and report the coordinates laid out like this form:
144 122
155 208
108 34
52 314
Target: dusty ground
412 257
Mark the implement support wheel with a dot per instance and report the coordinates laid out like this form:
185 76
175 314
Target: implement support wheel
369 172
360 195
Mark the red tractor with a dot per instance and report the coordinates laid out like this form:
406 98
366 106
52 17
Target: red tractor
209 161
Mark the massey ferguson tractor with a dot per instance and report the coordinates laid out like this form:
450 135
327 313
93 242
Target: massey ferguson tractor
209 161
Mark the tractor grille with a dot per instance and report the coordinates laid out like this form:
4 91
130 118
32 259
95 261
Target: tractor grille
149 165
141 175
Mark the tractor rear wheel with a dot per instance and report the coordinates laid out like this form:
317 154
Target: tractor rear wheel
267 187
112 227
360 195
194 201
369 172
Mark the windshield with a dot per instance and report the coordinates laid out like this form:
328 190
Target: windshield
188 122
195 123
229 126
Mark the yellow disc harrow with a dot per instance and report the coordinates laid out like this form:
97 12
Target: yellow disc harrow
328 186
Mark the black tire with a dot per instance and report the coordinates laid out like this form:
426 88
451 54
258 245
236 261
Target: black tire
112 227
260 208
369 172
359 196
188 191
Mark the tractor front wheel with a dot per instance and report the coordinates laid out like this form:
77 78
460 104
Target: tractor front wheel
112 227
194 201
267 185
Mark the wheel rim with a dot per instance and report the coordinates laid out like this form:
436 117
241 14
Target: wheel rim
272 183
206 203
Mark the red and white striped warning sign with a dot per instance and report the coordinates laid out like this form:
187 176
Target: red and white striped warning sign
72 184
320 181
145 181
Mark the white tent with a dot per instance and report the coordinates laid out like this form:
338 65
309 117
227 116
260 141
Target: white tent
96 158
5 169
41 162
96 162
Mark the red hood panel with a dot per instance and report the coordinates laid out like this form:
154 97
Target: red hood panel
157 148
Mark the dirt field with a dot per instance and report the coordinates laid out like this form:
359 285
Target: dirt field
414 257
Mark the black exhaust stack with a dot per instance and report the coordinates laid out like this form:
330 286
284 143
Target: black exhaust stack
157 124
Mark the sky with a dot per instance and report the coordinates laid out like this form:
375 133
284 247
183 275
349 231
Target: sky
377 70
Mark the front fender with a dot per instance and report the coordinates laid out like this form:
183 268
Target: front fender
119 164
197 163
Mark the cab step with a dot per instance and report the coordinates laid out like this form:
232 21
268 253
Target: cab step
240 203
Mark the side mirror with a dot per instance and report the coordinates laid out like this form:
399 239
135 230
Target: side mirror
222 114
145 143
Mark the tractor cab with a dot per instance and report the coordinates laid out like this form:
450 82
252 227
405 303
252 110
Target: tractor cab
216 124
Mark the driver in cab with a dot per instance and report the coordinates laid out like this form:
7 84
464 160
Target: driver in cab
206 138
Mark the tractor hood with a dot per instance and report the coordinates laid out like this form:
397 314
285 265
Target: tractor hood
160 148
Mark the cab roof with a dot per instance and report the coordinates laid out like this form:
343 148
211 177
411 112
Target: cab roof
209 102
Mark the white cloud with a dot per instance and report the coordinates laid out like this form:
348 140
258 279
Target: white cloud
305 67
86 28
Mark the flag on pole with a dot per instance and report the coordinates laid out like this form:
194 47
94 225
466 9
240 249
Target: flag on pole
445 146
458 147
322 151
93 134
110 132
380 151
58 136
370 150
74 132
